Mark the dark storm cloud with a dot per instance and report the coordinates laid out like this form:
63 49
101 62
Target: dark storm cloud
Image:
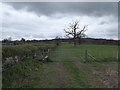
87 8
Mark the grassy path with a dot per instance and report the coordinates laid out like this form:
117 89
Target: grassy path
50 75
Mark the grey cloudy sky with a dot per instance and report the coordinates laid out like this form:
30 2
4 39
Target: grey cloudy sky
43 20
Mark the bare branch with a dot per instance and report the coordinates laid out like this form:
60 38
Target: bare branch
83 30
68 32
71 30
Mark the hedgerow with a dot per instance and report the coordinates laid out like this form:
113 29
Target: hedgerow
15 53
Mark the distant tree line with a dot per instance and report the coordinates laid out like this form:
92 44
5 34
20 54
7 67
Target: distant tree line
57 40
17 42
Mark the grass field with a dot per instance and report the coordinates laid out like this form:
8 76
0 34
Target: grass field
66 70
101 52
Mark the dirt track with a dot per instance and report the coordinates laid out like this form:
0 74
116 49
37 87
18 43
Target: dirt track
55 75
102 77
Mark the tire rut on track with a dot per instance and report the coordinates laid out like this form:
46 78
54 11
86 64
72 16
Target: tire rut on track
102 77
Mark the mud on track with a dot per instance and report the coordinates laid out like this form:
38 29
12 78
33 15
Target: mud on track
104 75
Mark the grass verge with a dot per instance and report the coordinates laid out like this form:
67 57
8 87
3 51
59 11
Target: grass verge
18 71
78 75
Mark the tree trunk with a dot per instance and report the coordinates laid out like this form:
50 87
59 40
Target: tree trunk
74 37
74 41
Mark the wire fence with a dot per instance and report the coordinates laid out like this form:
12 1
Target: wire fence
81 55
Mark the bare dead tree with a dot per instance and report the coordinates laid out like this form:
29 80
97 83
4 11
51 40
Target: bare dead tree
81 33
71 31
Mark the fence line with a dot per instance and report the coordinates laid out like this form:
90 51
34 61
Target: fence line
83 55
87 54
91 56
